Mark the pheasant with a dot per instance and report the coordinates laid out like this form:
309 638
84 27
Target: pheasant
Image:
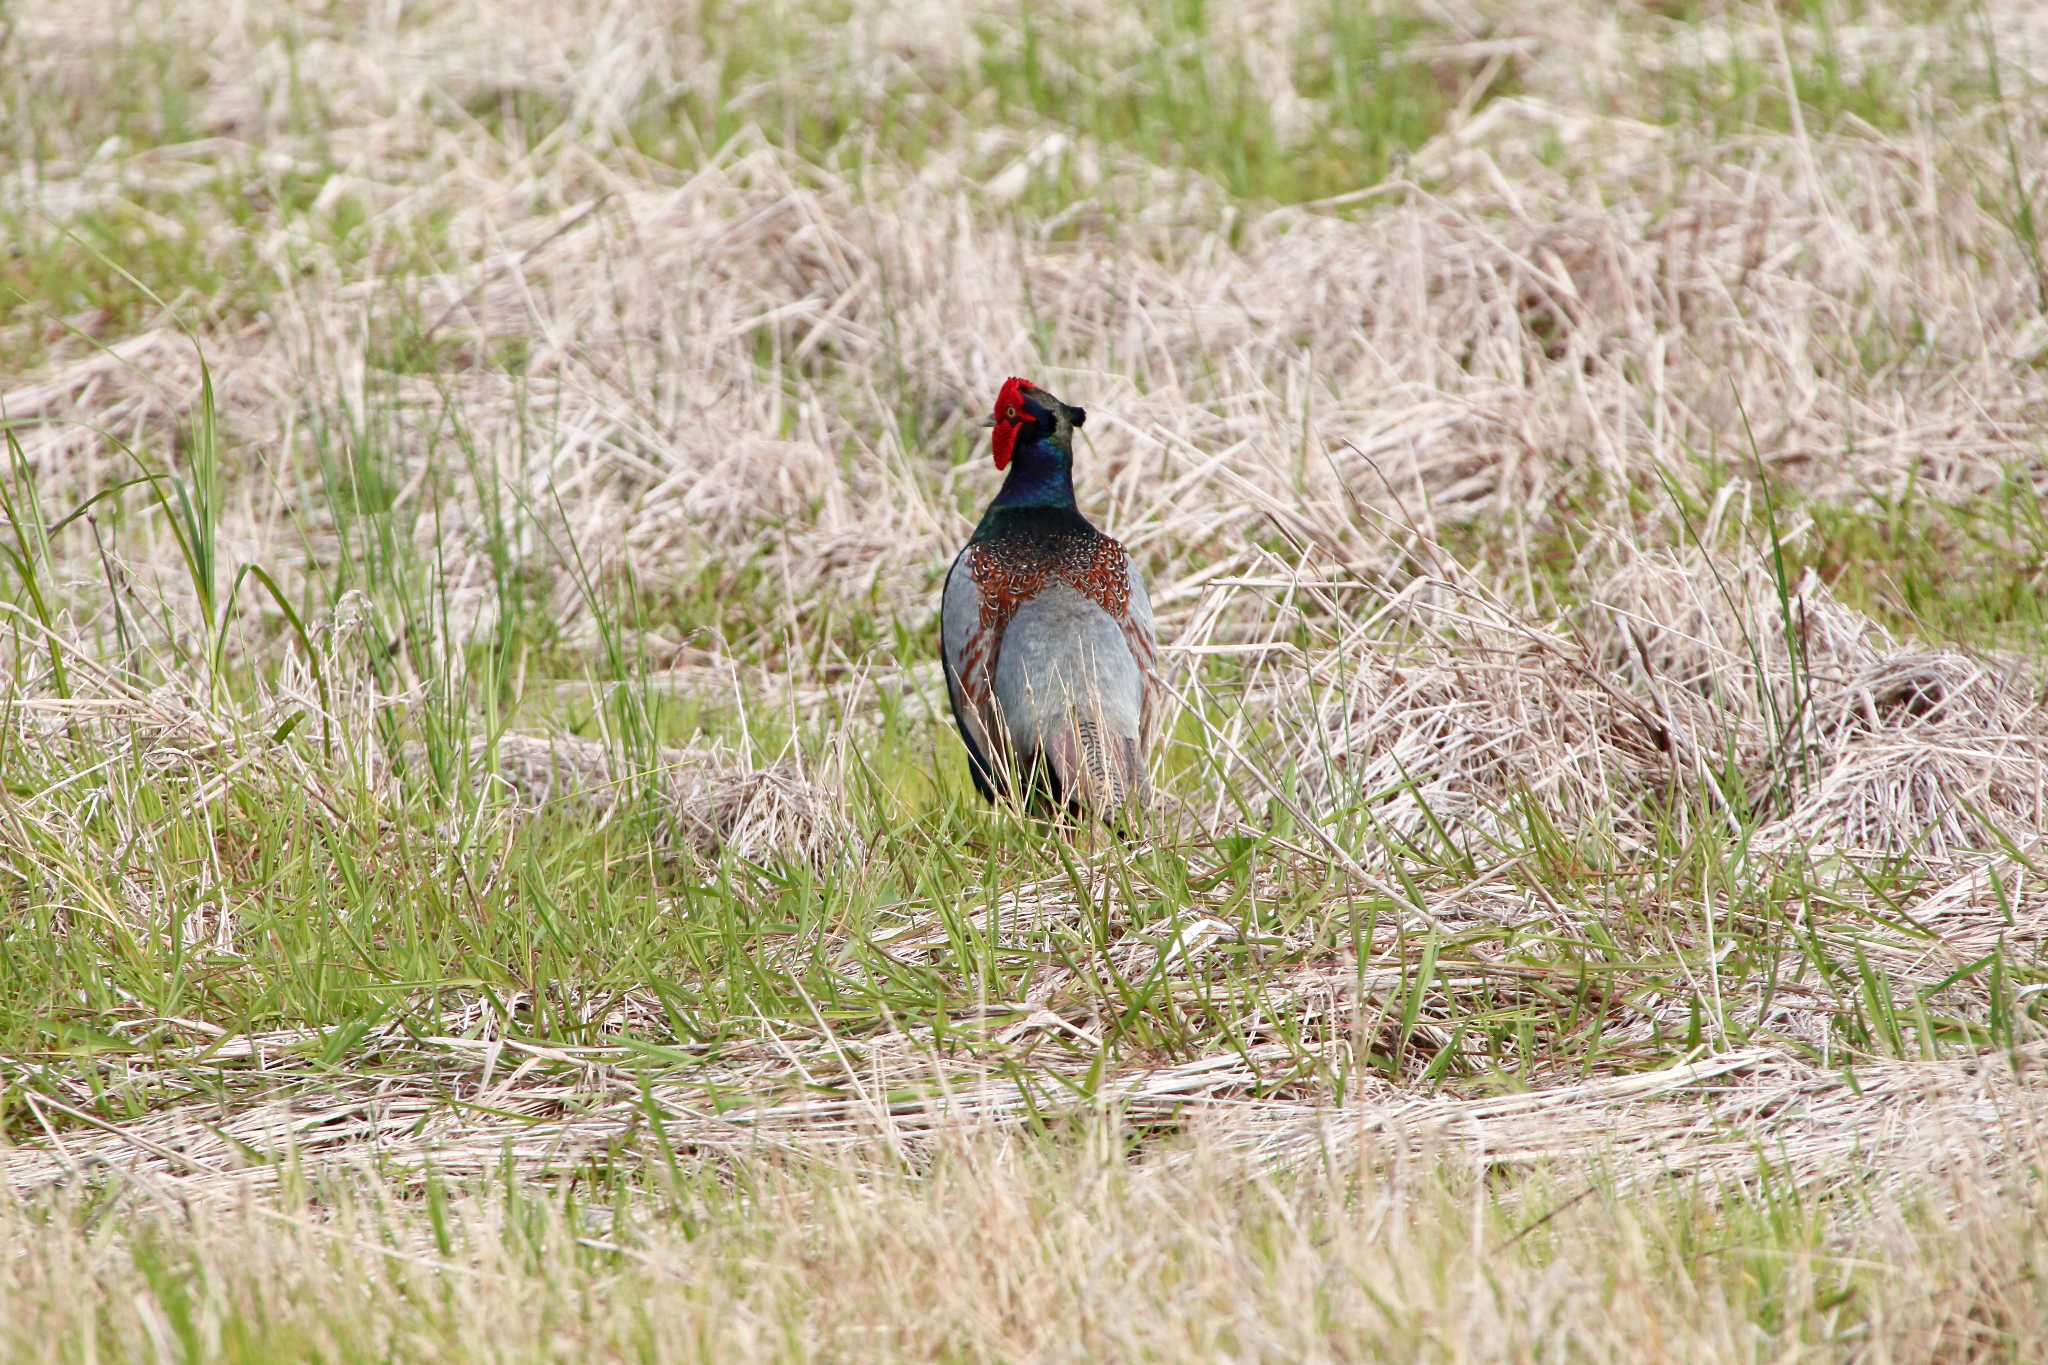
1046 631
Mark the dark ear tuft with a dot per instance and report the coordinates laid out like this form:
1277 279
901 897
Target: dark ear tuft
1077 415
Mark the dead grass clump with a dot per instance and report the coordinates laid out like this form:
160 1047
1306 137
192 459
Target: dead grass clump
1849 741
1923 755
1489 712
709 802
1689 686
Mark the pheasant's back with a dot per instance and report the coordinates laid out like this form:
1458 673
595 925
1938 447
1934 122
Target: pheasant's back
1046 659
1069 689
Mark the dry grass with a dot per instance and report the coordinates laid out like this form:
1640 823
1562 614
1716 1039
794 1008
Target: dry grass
1000 1250
1600 560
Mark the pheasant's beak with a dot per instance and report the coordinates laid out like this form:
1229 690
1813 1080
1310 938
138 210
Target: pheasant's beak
986 422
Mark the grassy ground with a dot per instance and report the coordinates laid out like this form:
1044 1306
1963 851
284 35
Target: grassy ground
488 867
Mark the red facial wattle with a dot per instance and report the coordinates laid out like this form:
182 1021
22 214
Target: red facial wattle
1010 419
1004 441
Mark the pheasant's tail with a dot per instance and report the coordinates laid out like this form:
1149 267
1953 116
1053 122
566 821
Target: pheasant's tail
1095 769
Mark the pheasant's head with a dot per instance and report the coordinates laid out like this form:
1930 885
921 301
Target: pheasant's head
1025 412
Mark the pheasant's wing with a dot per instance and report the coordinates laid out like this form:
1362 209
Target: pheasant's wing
968 649
1070 696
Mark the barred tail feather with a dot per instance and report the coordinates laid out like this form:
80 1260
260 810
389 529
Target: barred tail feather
1095 769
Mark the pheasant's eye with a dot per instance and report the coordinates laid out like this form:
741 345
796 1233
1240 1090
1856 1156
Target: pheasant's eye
1011 413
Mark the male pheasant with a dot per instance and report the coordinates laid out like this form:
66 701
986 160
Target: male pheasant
1046 631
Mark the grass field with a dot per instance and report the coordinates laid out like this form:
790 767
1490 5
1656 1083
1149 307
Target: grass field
489 872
